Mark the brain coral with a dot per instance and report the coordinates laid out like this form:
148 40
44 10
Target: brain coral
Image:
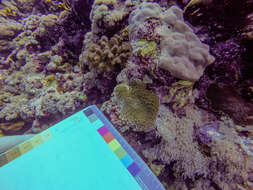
139 105
182 53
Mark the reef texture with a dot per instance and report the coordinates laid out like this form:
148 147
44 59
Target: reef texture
174 77
139 105
181 52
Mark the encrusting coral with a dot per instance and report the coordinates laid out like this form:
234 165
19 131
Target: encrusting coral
139 105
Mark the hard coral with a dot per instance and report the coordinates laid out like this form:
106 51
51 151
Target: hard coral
182 53
139 105
180 94
108 16
108 55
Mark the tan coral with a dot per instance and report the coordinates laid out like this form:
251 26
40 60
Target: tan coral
181 52
108 55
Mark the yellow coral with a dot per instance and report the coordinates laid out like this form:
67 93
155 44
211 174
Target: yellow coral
180 94
8 11
139 105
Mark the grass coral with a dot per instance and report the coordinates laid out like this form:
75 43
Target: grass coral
180 94
108 54
139 105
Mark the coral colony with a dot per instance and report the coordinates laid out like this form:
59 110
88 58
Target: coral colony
174 77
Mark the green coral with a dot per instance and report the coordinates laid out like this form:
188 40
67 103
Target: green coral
107 55
180 94
139 105
147 47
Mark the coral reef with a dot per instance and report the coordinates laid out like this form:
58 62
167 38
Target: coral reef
108 55
139 105
8 31
146 64
33 67
182 53
108 17
178 145
180 94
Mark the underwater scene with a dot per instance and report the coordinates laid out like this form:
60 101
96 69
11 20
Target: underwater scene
174 77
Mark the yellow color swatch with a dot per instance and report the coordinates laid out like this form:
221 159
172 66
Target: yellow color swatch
114 145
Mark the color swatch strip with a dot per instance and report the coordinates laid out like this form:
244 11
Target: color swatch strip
23 148
114 145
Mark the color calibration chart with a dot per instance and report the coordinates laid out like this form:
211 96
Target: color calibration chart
84 151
